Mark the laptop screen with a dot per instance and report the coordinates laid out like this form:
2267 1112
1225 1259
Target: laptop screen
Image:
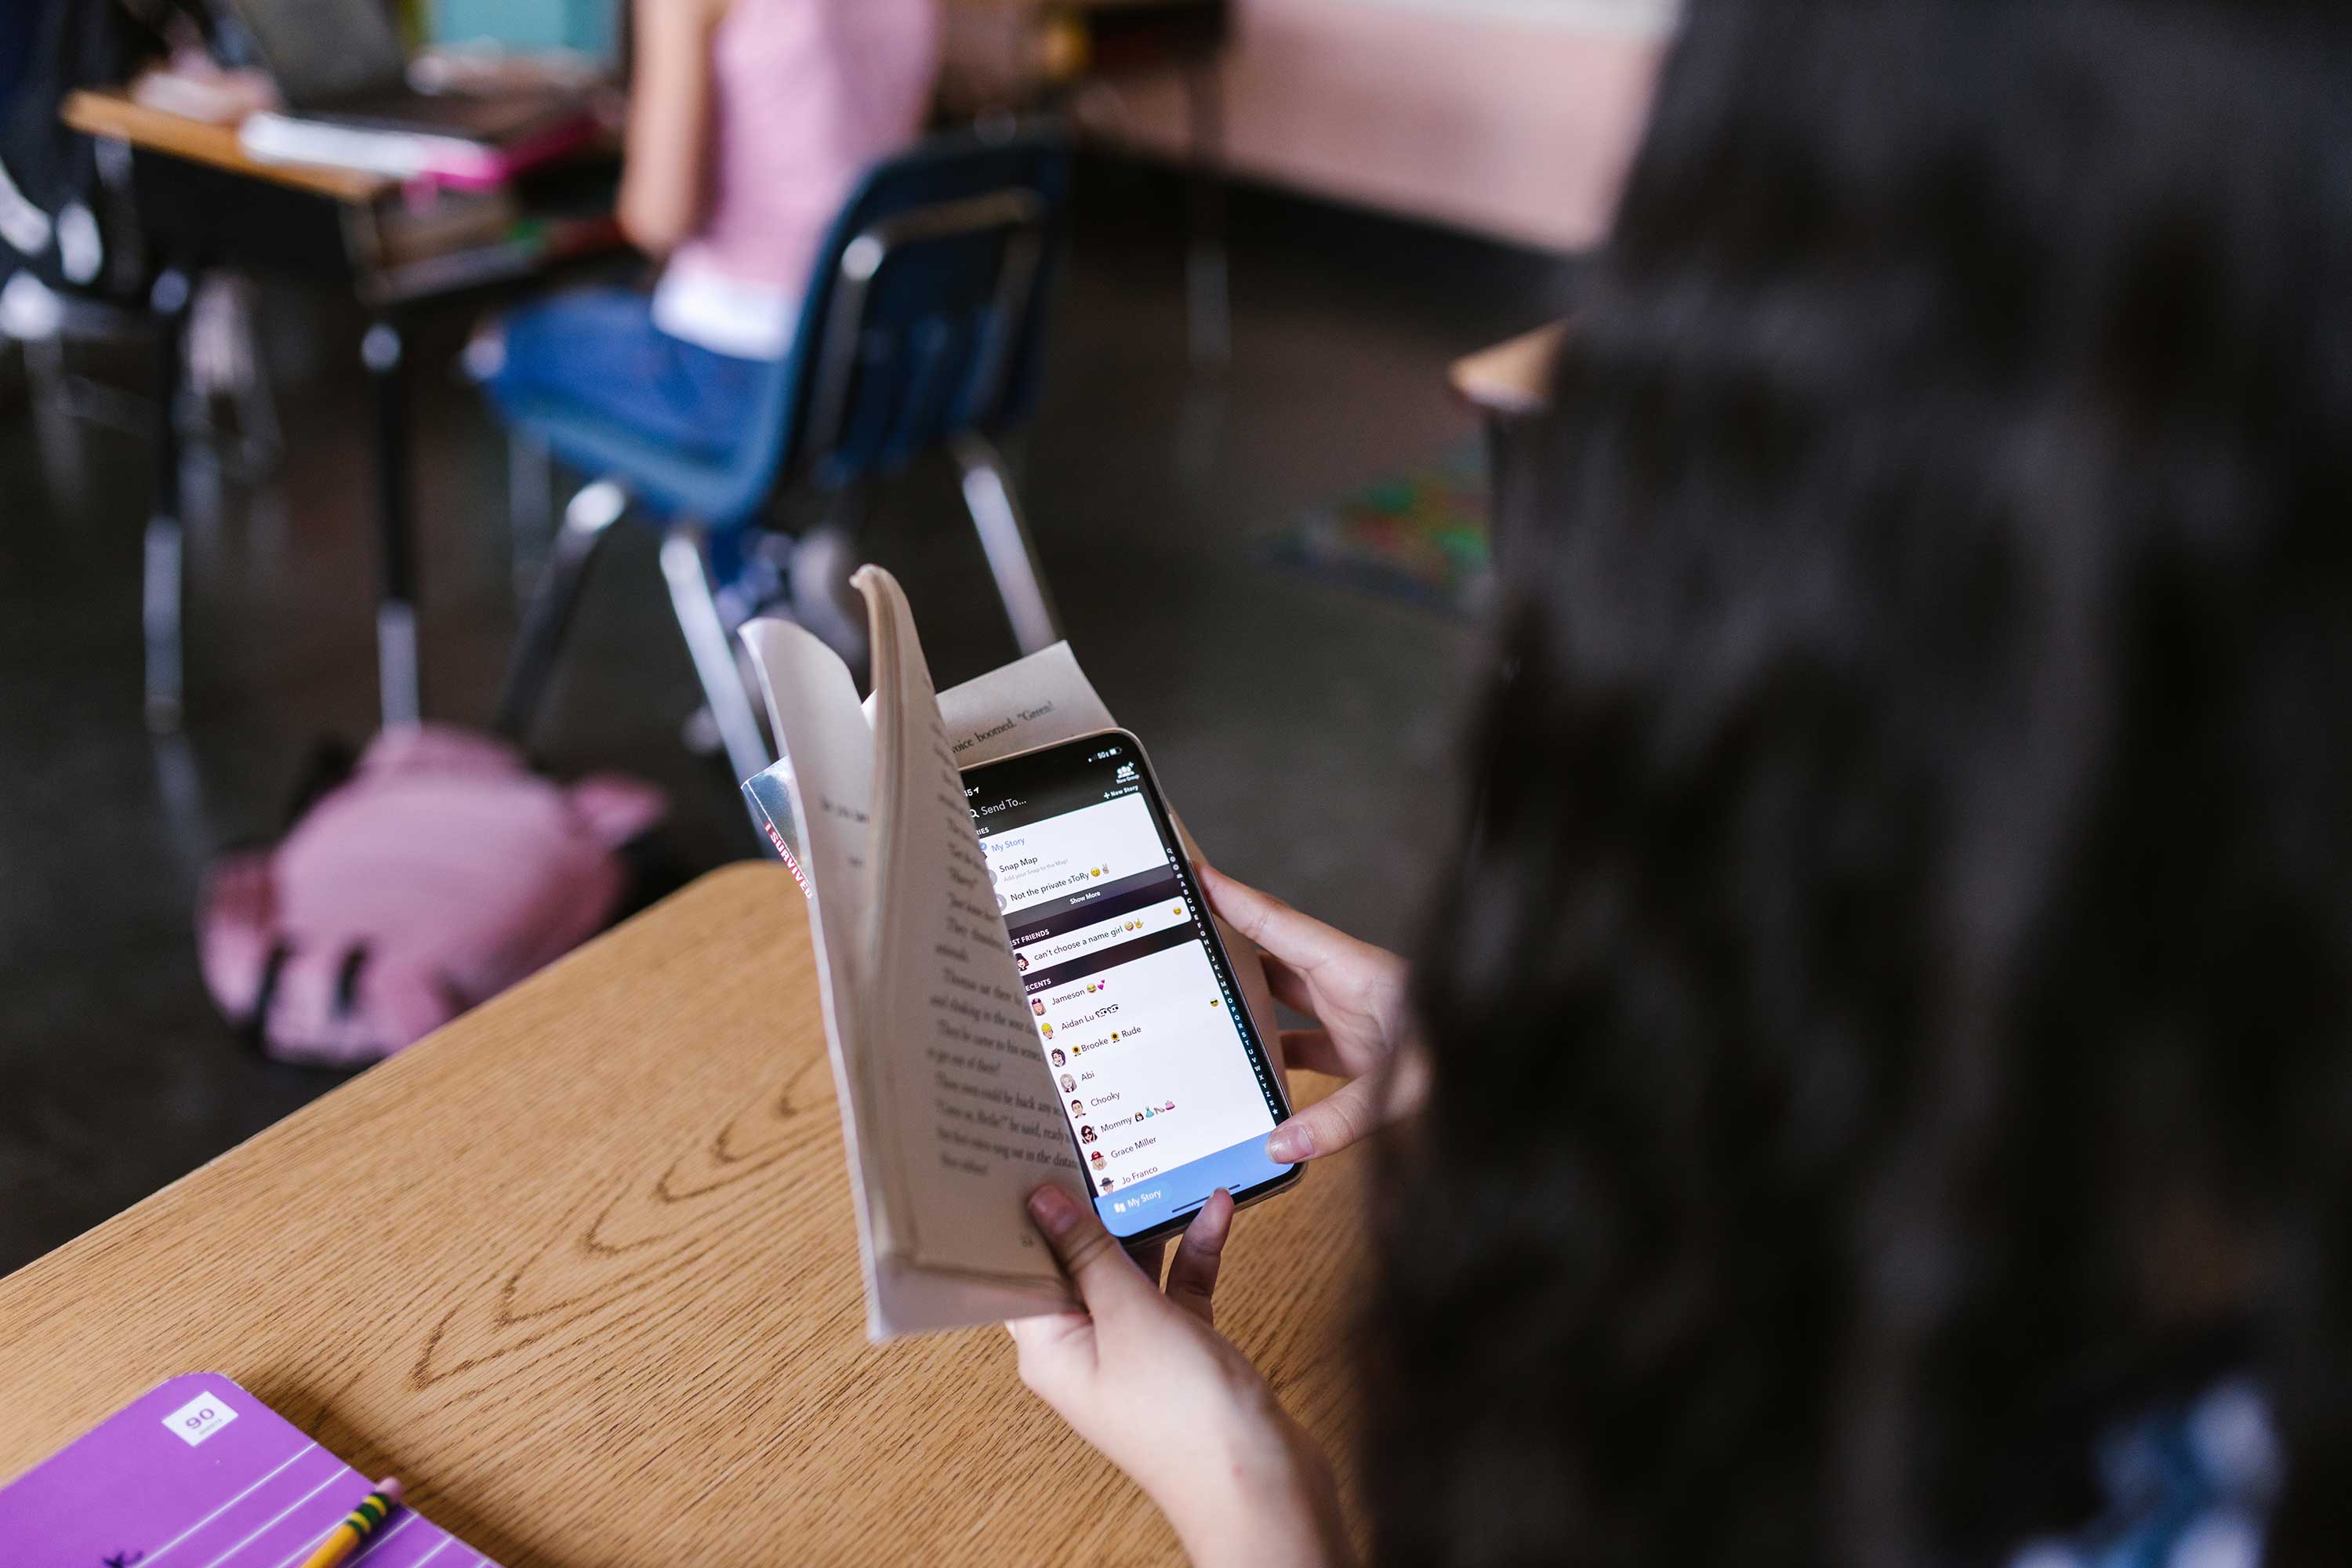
321 50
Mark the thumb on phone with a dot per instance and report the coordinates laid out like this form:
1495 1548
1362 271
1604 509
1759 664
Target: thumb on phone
1060 1353
1350 1113
1107 1277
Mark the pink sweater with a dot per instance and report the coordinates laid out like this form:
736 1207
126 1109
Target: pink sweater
808 94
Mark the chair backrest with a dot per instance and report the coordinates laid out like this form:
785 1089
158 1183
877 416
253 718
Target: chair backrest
925 314
21 22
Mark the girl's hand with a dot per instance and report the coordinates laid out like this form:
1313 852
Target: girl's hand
1357 993
1142 1376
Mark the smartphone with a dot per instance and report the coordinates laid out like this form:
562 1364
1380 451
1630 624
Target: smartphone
1158 1072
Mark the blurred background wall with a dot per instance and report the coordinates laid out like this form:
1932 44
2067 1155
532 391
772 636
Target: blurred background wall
1428 108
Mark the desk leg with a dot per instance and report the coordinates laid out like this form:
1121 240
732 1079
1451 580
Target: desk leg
1208 265
1509 492
163 590
398 685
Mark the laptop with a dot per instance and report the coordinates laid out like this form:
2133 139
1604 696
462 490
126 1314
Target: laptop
340 62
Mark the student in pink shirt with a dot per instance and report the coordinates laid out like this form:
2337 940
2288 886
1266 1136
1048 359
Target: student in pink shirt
749 123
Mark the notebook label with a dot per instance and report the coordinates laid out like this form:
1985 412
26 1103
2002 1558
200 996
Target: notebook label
199 1418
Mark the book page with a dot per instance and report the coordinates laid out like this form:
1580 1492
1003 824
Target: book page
1031 702
965 1100
828 773
1038 701
825 786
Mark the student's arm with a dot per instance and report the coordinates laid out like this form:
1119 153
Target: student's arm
669 123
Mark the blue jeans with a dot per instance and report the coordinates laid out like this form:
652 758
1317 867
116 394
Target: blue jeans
597 352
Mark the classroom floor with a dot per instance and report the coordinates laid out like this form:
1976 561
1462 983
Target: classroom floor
1306 731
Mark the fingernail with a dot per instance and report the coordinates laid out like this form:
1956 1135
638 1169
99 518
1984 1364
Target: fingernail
1052 1210
1289 1143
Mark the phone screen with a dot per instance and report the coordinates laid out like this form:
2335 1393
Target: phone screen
1161 1076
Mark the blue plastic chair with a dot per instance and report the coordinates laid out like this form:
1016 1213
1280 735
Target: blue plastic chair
922 331
21 22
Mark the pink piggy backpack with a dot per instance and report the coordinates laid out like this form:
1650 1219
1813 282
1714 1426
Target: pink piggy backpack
441 872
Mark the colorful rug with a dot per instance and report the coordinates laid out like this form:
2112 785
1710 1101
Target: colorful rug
1419 535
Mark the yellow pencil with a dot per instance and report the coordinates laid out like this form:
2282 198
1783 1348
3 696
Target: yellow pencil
358 1525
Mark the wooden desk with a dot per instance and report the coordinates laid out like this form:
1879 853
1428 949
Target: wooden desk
1512 379
115 116
202 202
580 1268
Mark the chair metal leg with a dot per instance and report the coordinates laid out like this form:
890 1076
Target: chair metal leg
547 616
160 595
686 565
162 590
44 372
1208 263
399 681
530 506
1012 557
261 439
225 362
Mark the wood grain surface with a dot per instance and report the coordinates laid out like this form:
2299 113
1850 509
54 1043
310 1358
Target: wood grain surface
115 117
580 1268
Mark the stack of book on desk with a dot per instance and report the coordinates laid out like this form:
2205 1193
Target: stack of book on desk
464 163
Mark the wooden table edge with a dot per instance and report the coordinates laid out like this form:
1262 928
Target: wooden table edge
1514 377
1287 1296
115 116
417 1058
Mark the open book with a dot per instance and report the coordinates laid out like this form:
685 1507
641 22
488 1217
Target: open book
949 1110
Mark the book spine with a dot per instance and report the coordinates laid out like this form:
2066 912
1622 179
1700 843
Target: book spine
770 795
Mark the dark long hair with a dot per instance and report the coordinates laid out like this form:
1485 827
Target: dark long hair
1898 978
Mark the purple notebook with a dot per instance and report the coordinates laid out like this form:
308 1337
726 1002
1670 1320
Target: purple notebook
197 1473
